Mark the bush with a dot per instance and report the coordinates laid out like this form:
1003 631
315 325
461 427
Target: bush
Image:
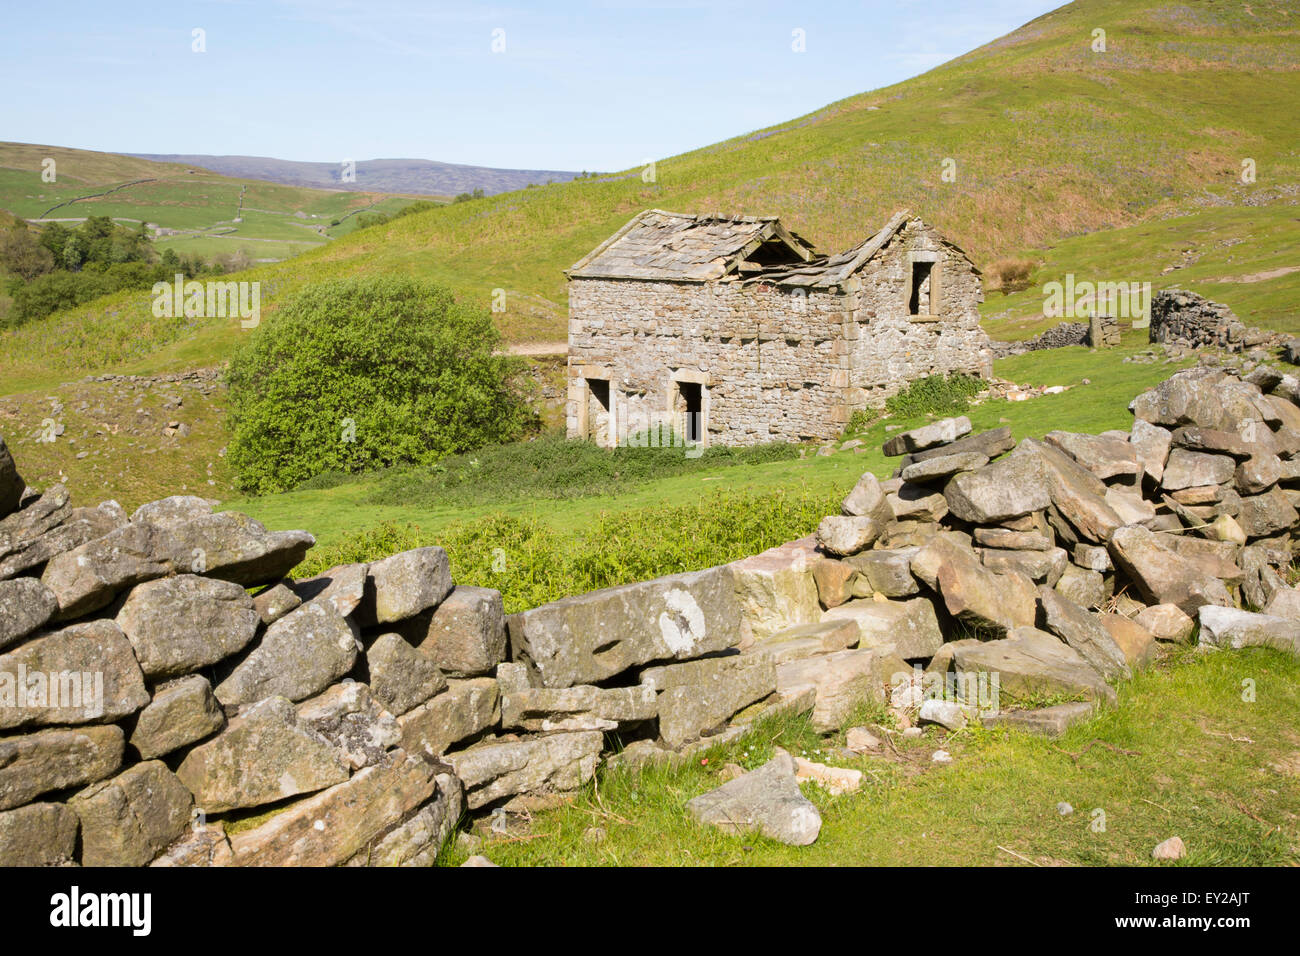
1012 274
935 395
357 374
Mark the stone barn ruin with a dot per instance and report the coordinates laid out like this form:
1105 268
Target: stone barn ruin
734 331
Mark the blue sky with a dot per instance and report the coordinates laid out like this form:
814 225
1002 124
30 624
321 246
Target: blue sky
579 85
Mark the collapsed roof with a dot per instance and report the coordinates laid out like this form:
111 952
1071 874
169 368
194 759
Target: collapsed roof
680 247
670 245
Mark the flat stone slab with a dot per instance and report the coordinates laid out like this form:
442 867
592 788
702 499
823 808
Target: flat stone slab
990 444
698 696
502 768
181 624
299 656
910 627
842 680
466 708
1046 721
264 755
1162 575
943 432
1104 456
83 673
555 709
766 801
1006 488
1231 627
588 638
1085 632
943 466
335 825
1029 662
809 640
36 763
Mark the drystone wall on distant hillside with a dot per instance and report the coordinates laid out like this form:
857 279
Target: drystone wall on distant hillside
163 680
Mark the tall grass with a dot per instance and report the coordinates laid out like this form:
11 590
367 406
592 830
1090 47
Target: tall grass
551 467
531 563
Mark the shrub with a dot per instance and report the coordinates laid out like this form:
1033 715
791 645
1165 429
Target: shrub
935 395
1012 274
357 374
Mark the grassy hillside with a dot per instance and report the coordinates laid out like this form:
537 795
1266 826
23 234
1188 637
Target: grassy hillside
1052 143
211 213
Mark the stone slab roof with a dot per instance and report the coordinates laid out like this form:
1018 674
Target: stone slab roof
827 271
669 245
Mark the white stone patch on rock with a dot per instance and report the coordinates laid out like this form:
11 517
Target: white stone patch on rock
682 625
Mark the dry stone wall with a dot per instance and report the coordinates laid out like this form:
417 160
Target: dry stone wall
169 696
1179 317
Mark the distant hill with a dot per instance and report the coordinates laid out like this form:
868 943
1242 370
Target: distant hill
422 176
192 209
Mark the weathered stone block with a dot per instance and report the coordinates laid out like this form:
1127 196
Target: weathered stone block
590 637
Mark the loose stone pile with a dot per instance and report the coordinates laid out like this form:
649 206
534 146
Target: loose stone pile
169 697
1184 318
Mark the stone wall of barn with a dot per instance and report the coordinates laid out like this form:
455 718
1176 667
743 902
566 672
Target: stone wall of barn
764 356
775 363
886 346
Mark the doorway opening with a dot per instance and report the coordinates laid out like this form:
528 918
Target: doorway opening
693 398
599 420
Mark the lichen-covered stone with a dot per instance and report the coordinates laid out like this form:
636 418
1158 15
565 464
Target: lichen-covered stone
465 635
39 834
496 769
25 605
181 624
299 655
264 755
181 712
587 638
36 763
400 676
128 820
83 673
466 708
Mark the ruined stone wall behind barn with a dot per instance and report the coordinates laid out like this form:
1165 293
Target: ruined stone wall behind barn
767 355
887 347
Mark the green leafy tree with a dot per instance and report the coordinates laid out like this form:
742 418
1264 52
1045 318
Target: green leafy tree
73 254
356 374
23 255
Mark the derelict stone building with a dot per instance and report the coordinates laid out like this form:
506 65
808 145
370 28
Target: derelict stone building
735 331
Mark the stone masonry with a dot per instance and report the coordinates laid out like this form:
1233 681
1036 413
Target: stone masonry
733 332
